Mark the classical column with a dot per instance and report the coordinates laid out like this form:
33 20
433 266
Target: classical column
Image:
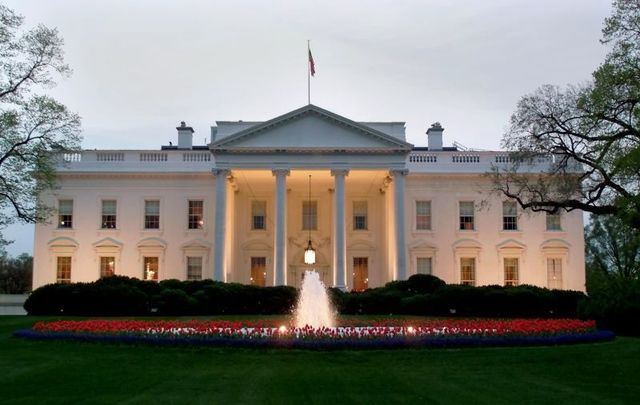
339 231
280 249
401 248
219 233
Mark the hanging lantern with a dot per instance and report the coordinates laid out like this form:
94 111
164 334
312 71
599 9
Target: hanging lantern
309 252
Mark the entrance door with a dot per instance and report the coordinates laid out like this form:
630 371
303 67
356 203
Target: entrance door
360 273
258 271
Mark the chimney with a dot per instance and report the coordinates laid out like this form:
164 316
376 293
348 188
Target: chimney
434 136
185 136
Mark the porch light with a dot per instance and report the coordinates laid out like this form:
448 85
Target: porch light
309 252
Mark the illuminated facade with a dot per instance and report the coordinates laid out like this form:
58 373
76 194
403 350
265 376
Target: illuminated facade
241 210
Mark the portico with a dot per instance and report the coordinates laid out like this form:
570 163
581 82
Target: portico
338 154
346 216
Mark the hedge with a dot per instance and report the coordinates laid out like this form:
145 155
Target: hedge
419 295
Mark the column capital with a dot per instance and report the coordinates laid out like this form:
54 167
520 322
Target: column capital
339 172
280 172
398 172
220 172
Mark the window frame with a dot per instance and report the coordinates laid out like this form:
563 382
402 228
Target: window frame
146 217
106 222
103 263
190 266
313 216
463 219
558 282
514 280
509 220
427 217
61 272
146 269
254 205
195 221
430 261
468 280
65 221
557 215
363 220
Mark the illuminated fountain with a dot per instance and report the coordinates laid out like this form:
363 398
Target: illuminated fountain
314 307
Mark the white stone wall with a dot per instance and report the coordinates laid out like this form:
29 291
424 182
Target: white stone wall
173 191
532 244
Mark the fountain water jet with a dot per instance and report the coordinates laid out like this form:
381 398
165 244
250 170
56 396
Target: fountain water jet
313 308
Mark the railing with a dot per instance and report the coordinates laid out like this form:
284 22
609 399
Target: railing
153 157
465 158
110 156
135 160
196 157
70 157
477 162
423 158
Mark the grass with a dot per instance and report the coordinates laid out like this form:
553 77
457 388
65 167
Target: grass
67 372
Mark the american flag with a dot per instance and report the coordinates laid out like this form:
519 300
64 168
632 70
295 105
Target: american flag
312 64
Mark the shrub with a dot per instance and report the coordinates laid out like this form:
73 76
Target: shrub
614 302
173 301
419 295
424 283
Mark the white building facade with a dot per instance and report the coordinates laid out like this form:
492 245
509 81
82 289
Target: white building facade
243 209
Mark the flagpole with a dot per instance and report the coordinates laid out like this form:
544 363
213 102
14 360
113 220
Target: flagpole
308 74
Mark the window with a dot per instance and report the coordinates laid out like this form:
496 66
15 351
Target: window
65 214
309 215
63 269
509 216
194 268
554 273
258 215
423 265
511 265
258 271
553 222
468 271
196 210
423 215
107 266
360 215
109 214
150 268
466 216
152 214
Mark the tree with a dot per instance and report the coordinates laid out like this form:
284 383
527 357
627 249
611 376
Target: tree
584 140
32 126
612 248
16 274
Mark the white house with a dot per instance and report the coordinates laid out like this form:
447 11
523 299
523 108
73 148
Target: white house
243 209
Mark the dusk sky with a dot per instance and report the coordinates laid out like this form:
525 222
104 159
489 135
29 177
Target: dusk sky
142 66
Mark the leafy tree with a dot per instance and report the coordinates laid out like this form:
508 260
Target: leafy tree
613 248
583 140
16 274
32 125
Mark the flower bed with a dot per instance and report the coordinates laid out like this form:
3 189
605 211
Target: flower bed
349 334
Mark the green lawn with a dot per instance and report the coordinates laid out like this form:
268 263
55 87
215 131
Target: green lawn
66 372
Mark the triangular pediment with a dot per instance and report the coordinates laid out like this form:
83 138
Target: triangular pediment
310 128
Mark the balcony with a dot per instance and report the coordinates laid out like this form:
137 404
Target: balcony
135 161
475 162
